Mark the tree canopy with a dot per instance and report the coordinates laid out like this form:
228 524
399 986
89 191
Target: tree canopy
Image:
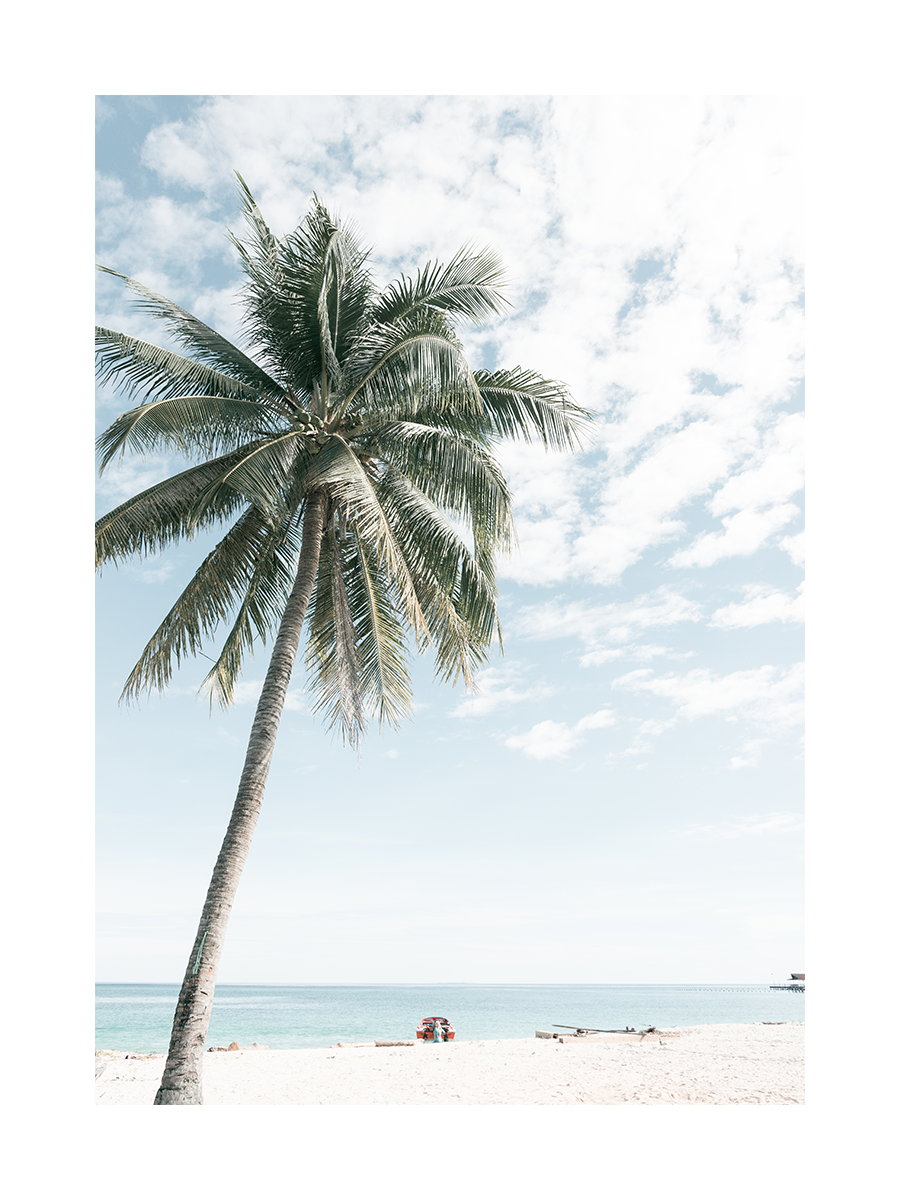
360 394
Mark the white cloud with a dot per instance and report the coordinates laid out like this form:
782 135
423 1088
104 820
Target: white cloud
760 492
150 574
773 476
598 520
548 509
496 688
553 739
615 622
762 604
744 534
127 477
633 651
159 240
749 755
795 547
548 739
767 695
757 825
597 720
609 630
639 504
686 381
641 743
102 111
246 691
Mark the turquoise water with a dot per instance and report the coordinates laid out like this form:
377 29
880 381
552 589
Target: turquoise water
138 1016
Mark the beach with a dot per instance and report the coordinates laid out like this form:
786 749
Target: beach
757 1063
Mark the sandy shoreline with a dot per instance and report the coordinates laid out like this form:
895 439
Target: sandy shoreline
701 1064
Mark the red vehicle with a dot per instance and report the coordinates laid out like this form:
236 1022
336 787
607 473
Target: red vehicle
435 1029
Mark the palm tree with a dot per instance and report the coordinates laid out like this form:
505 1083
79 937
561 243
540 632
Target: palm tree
340 451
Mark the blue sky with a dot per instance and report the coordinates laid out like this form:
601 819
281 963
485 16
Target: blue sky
622 800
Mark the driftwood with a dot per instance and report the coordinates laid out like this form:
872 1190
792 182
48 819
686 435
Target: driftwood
395 1043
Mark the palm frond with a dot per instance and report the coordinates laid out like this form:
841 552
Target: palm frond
338 471
242 567
262 474
166 512
381 636
205 344
329 298
362 428
264 240
522 404
468 286
455 589
331 654
299 285
418 361
260 609
141 368
204 425
455 473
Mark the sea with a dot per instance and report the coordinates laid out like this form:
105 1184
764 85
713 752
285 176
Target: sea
137 1017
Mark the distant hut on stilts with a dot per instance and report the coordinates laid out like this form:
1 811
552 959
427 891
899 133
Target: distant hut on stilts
797 984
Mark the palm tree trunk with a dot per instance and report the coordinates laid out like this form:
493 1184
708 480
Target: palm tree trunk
181 1080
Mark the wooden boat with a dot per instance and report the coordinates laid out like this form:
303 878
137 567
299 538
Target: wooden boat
435 1029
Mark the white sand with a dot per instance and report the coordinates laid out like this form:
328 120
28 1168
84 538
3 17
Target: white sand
703 1064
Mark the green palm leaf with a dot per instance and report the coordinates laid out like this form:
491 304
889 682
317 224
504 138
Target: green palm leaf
521 404
260 475
244 567
455 473
260 609
203 425
417 362
408 436
166 512
262 237
204 344
468 286
455 591
331 654
304 294
141 368
381 637
340 474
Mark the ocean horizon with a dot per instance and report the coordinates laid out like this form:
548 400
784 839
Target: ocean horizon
137 1017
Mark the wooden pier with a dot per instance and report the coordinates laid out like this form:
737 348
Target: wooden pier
797 984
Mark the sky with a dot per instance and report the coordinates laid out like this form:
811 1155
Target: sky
621 801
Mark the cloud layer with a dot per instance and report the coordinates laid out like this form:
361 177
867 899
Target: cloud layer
553 739
640 273
653 250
